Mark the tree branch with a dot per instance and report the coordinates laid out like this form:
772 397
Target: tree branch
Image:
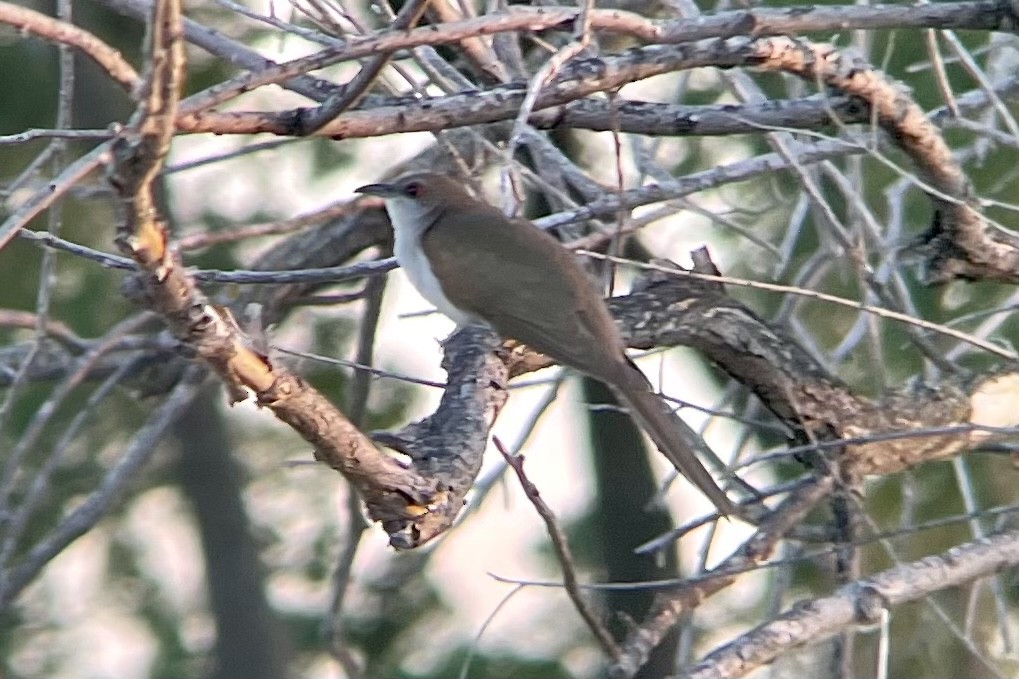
859 603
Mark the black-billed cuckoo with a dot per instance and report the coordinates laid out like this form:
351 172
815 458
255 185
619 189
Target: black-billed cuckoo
480 268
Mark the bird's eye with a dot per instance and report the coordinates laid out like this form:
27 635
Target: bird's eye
412 189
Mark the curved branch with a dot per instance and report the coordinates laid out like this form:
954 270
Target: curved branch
107 58
960 244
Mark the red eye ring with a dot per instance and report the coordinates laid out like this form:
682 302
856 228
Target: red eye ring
412 189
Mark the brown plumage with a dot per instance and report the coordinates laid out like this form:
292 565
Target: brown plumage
528 287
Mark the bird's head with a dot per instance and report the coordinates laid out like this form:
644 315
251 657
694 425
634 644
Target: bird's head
415 200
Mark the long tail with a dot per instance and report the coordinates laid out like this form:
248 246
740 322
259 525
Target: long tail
666 430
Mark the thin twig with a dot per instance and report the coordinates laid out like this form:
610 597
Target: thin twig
562 549
124 472
357 409
361 368
53 190
359 84
36 133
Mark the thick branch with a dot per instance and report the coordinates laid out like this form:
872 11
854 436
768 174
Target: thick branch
888 435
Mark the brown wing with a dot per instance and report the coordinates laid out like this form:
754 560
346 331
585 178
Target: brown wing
526 284
529 288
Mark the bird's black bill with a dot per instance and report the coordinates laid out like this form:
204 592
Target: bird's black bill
380 190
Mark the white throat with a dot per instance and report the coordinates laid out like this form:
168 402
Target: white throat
410 220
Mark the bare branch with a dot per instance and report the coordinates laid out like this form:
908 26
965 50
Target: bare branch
396 496
562 548
31 22
359 84
87 514
859 603
672 605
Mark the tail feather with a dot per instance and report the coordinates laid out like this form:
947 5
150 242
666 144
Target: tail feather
666 430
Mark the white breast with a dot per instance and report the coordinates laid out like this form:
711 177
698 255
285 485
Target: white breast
408 226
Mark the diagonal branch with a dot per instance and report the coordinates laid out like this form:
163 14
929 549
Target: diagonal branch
671 606
352 92
960 243
859 603
107 58
98 503
562 549
395 495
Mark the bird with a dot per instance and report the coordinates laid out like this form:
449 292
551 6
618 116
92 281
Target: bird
479 267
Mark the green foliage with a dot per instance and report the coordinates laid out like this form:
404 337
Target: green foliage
328 156
499 665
